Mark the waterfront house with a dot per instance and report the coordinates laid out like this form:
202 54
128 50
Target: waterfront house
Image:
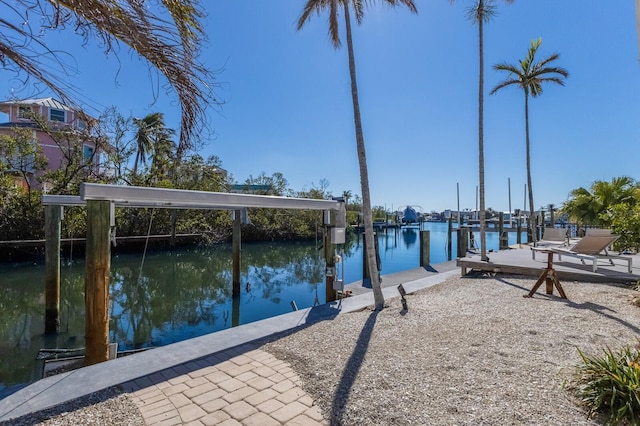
59 131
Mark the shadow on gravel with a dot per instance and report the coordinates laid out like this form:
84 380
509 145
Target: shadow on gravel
351 370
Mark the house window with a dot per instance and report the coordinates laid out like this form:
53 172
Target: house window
56 115
87 152
24 112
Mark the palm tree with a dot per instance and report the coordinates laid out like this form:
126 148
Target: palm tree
347 194
168 35
154 139
145 135
591 206
529 76
482 11
318 6
163 156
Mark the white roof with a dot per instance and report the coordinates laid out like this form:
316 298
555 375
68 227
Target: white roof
48 102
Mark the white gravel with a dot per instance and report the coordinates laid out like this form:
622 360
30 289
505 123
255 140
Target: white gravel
469 351
109 407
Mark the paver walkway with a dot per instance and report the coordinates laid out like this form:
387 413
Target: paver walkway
233 387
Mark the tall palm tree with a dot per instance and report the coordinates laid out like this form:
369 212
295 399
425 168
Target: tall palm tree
168 35
482 11
318 6
529 76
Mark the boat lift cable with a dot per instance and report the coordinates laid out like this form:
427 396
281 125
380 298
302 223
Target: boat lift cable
146 244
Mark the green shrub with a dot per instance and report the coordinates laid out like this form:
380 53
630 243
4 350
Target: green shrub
610 384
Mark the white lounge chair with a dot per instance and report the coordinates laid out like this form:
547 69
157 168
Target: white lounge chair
552 237
591 247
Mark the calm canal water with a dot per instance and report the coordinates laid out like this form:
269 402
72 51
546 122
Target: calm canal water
173 296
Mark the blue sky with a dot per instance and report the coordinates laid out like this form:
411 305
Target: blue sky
287 102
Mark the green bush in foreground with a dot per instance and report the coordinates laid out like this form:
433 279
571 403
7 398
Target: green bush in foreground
610 384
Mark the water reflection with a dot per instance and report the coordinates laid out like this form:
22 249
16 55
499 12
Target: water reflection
168 298
410 236
175 296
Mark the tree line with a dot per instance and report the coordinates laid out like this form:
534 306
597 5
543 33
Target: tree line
140 152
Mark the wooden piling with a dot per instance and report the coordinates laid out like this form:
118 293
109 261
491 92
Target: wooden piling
503 235
330 261
365 269
463 242
449 235
52 219
518 230
235 311
425 248
96 284
236 249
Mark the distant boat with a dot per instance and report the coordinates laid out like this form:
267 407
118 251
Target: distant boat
409 216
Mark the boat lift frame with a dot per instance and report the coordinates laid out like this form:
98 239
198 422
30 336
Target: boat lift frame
100 201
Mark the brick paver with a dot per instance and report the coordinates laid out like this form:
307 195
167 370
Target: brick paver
229 388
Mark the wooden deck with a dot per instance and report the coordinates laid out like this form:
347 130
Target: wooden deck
519 261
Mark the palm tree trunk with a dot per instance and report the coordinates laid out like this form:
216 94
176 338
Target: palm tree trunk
135 163
483 230
364 174
532 219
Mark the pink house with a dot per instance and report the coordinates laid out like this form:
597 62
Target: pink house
59 117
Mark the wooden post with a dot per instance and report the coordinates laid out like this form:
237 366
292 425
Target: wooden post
449 235
425 247
376 246
235 242
235 311
519 231
365 266
52 219
504 235
549 275
463 242
96 284
329 256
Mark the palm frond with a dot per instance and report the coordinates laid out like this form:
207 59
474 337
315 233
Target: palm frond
482 11
170 45
532 74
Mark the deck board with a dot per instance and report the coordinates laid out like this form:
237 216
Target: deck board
519 261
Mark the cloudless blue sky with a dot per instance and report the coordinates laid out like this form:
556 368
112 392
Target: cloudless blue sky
287 101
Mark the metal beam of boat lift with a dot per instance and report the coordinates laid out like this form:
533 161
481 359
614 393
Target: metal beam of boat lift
141 197
92 195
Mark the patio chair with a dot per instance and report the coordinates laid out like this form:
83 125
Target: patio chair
552 237
591 247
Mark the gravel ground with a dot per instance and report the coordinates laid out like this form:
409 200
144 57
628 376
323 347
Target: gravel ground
109 407
469 351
